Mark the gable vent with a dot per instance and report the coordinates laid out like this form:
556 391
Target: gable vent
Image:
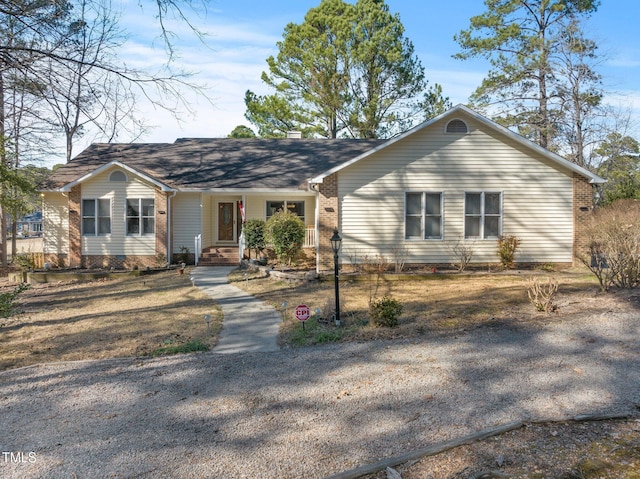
457 126
118 176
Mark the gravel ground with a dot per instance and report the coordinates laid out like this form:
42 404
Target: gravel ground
308 413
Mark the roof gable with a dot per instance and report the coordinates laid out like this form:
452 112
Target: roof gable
461 109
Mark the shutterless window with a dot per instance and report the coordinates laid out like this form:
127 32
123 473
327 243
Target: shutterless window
423 215
482 215
96 216
140 216
296 207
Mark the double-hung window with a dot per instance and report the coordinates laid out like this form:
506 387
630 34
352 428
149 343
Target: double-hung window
96 216
140 216
482 215
423 215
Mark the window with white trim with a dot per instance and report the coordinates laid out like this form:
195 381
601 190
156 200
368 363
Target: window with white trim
423 215
296 207
482 215
96 216
140 216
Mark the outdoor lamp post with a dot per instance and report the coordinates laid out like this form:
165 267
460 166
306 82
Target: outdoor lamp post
335 246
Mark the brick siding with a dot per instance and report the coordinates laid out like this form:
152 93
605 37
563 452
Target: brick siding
75 219
582 208
328 220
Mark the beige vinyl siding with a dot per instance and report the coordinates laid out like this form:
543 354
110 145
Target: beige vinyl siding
537 199
186 218
55 223
117 243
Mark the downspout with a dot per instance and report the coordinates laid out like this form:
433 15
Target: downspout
169 222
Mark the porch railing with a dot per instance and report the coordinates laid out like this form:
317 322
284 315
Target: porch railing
309 237
198 247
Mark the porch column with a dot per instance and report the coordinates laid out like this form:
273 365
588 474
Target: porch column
328 220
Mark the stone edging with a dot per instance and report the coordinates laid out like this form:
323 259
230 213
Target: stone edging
471 438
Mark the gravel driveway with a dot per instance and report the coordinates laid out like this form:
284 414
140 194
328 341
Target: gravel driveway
312 412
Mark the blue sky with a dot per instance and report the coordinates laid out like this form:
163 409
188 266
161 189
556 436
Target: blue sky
243 33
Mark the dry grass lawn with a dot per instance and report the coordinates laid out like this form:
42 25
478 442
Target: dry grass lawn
128 316
434 304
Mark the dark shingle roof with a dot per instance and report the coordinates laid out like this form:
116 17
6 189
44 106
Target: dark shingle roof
218 163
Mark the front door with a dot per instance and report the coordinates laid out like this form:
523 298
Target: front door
225 221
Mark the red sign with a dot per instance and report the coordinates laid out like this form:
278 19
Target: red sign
302 312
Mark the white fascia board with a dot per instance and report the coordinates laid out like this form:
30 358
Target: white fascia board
109 165
593 178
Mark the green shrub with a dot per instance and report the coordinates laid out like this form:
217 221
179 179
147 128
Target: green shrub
285 231
254 236
8 300
385 312
507 246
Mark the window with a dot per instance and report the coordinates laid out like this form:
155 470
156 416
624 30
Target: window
482 215
96 216
423 215
140 216
456 126
296 207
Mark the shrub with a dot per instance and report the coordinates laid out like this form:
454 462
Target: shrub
8 300
385 312
463 253
285 231
25 261
543 296
507 246
254 236
613 235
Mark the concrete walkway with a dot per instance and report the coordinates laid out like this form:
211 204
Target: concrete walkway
249 325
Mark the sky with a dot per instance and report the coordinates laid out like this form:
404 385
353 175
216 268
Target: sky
241 34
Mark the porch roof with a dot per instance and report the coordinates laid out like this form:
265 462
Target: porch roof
217 163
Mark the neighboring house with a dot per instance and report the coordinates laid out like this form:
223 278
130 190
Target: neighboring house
456 179
29 225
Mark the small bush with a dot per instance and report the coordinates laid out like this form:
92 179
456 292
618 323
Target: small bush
613 235
463 253
25 261
254 236
507 247
285 231
385 311
8 300
543 296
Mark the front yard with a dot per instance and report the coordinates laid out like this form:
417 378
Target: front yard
432 304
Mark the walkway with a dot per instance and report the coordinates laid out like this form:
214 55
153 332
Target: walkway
249 325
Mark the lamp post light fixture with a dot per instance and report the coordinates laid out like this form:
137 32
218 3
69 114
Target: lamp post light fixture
336 241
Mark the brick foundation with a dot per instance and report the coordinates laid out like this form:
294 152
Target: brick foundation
119 262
